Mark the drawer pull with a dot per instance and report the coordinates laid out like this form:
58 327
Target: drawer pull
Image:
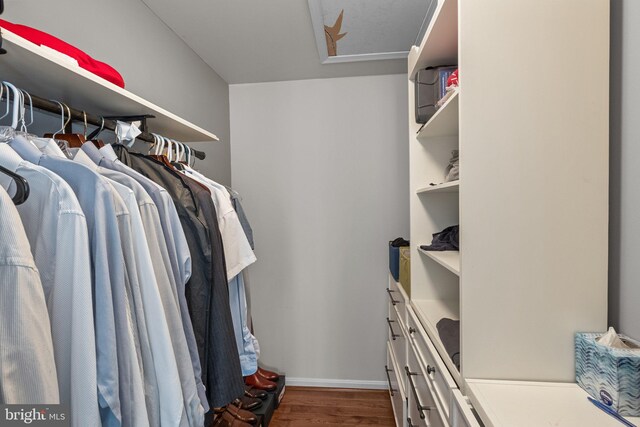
391 389
410 424
421 408
412 330
393 301
431 369
393 334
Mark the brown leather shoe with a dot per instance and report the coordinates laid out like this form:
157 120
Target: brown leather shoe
226 419
268 375
248 403
256 381
254 392
242 415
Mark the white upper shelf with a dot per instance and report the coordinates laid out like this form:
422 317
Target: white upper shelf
38 71
440 43
444 122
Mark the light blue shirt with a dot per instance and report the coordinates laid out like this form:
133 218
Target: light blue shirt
94 195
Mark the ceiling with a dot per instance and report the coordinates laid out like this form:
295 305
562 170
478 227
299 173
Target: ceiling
251 41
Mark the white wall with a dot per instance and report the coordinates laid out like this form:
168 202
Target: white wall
155 63
322 166
624 239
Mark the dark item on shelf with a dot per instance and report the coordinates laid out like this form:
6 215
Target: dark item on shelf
446 240
449 332
394 256
430 86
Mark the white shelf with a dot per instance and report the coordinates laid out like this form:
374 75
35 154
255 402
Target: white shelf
534 404
430 312
444 122
440 43
448 259
36 70
447 187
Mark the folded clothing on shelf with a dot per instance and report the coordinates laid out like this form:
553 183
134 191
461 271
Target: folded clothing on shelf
85 61
449 332
446 240
452 172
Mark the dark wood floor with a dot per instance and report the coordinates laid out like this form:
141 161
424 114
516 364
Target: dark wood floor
329 407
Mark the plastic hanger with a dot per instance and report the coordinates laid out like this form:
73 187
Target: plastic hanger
22 186
16 106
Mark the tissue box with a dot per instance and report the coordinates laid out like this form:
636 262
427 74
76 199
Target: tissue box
610 375
405 269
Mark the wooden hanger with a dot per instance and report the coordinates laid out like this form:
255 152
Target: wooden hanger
74 140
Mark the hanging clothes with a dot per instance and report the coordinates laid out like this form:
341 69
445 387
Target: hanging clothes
27 368
238 255
171 262
57 231
119 379
207 293
174 372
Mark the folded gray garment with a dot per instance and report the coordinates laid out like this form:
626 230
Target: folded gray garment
449 331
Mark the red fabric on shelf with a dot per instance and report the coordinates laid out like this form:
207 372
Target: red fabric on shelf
85 61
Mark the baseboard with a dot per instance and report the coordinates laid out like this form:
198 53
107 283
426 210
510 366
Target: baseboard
332 383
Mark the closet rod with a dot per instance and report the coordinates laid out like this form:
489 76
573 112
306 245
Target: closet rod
78 116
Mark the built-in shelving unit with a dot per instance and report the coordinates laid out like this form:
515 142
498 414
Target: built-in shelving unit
447 187
38 70
513 144
448 259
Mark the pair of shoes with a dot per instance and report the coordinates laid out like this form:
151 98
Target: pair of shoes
226 419
254 393
248 403
268 375
232 412
261 383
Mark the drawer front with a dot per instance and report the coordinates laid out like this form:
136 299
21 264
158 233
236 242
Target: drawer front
438 374
397 338
398 300
394 376
423 409
461 412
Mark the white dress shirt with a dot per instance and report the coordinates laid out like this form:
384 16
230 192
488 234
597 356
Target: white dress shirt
57 231
237 250
27 366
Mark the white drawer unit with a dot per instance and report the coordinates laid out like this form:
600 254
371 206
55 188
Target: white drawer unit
438 375
461 413
423 407
397 339
396 392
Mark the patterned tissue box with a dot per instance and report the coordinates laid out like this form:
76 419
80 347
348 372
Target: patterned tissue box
610 375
